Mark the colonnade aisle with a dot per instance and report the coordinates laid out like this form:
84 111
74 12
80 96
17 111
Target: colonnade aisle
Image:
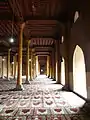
42 99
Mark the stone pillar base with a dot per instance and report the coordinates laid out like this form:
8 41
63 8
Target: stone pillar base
19 88
27 82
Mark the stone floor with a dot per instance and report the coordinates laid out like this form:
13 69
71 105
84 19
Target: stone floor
42 99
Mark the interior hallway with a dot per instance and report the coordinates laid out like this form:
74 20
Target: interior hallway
42 99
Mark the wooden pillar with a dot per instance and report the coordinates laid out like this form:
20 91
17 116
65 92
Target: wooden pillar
36 65
16 69
19 85
31 65
53 64
50 62
38 68
48 65
34 59
15 65
8 64
2 67
56 55
27 63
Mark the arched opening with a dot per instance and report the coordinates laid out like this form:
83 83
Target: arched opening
79 74
63 71
76 16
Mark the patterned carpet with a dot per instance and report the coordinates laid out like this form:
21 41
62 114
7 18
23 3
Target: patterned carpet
42 99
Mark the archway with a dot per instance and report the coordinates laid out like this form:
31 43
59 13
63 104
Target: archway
63 71
79 74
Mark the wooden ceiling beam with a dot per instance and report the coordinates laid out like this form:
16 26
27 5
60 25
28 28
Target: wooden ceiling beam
41 29
14 9
19 10
43 46
3 29
29 17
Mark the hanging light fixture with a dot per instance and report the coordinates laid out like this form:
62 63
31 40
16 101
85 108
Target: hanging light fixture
29 60
12 39
62 39
33 8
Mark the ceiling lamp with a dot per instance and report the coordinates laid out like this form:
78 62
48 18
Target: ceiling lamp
12 39
3 59
29 60
12 62
62 39
33 8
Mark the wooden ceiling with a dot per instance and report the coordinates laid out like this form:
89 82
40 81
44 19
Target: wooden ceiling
37 9
44 20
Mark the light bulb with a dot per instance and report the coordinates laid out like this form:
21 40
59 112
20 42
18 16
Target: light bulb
11 40
12 62
29 60
3 59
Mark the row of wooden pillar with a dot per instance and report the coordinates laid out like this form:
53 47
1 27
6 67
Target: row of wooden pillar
53 62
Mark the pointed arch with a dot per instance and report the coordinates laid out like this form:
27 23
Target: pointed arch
76 16
79 72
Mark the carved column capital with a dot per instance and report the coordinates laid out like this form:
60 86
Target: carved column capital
21 25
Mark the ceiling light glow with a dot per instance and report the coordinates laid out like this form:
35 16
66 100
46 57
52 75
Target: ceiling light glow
3 59
29 60
12 62
11 40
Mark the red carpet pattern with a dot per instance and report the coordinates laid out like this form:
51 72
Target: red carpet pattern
41 100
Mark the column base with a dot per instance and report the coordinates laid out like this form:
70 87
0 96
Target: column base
27 82
19 88
31 79
86 107
53 79
65 88
57 82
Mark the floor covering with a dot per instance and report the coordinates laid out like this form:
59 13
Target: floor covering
42 99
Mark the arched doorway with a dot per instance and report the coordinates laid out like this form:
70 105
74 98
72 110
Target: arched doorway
63 71
79 74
